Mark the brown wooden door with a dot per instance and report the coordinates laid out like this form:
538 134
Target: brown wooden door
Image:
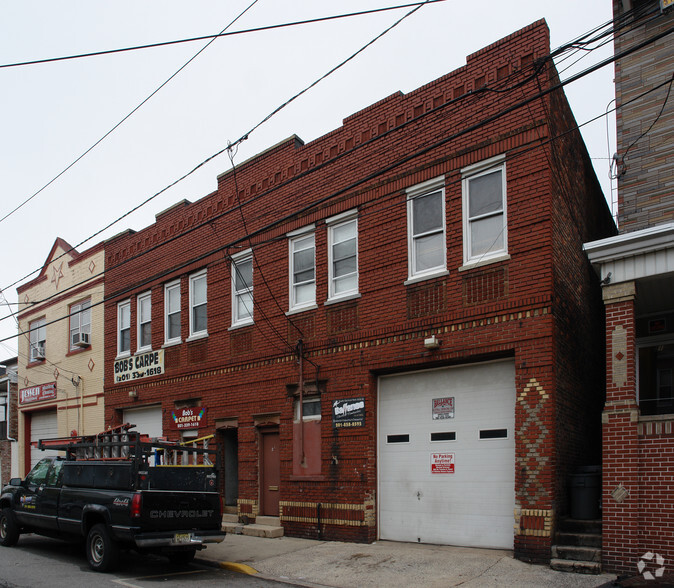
271 473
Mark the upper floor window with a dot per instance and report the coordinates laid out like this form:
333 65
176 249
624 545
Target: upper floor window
198 304
124 328
302 270
38 339
426 228
144 314
172 312
80 325
3 416
343 255
484 211
242 288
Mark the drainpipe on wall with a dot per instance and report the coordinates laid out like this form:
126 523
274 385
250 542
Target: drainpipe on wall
300 351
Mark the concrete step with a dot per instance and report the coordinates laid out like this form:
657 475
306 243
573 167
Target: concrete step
269 521
230 518
580 526
233 528
573 552
257 530
579 539
576 567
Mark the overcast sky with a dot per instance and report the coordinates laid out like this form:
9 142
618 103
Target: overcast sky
52 113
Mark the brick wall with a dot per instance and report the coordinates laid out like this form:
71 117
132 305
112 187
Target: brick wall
505 309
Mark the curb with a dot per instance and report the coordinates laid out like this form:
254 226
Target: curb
238 567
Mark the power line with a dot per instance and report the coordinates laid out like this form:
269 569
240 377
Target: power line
219 152
290 217
116 126
215 36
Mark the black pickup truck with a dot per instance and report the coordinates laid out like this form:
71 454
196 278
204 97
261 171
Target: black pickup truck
118 492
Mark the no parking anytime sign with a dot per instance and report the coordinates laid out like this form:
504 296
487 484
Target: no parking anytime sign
442 463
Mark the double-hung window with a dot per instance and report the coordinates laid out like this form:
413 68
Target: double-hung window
342 255
172 312
144 313
38 339
80 325
485 236
302 269
198 304
242 288
426 229
124 328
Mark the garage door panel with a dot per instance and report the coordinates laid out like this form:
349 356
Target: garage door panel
472 506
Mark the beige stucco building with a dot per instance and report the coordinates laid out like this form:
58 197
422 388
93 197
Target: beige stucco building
60 366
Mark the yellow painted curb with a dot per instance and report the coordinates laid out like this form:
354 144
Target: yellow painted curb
238 567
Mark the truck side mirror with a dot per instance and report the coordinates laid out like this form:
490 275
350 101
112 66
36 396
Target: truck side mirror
15 482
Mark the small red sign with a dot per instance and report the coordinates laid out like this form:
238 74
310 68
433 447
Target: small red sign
188 418
38 393
442 463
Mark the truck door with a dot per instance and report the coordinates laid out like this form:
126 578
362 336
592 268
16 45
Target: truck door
48 497
27 498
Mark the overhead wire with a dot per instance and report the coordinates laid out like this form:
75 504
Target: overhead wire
589 70
581 74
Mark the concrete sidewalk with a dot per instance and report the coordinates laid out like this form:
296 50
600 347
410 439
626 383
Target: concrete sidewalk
304 562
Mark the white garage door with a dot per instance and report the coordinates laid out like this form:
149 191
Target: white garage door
43 425
447 456
147 420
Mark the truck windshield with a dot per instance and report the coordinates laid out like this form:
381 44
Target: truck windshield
38 474
54 476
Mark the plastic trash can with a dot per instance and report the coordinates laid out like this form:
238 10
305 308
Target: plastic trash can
585 493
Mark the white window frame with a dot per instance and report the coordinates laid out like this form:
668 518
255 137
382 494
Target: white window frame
293 239
121 327
77 313
416 192
472 172
193 278
37 338
140 322
238 259
334 223
167 289
307 400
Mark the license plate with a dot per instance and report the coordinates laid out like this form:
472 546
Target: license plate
182 537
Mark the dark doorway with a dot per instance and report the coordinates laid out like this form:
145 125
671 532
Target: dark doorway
270 473
228 440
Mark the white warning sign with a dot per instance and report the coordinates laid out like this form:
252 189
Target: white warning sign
442 463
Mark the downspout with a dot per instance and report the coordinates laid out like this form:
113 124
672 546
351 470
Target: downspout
300 351
9 405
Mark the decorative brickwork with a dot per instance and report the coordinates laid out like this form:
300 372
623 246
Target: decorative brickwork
485 286
533 522
241 342
342 318
197 352
426 299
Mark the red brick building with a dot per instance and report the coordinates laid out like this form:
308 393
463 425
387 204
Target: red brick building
637 271
393 330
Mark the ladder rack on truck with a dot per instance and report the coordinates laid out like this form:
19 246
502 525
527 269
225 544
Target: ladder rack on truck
120 443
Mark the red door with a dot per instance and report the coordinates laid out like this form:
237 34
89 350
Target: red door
271 473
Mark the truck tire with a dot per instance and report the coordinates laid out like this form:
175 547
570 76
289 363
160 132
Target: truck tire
9 530
102 551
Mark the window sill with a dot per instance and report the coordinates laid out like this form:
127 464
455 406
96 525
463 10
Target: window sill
36 363
123 355
309 478
354 296
241 325
78 351
143 350
171 343
657 417
423 278
196 337
293 311
481 263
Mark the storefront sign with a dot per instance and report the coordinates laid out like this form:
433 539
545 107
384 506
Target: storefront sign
443 408
188 418
349 412
442 463
139 366
38 393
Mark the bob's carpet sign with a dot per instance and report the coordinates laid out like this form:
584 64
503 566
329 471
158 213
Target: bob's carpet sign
349 412
139 366
188 418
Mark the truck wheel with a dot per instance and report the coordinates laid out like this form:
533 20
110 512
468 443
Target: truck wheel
9 530
182 558
102 551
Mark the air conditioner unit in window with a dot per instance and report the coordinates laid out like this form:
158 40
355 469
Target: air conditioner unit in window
81 339
38 351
